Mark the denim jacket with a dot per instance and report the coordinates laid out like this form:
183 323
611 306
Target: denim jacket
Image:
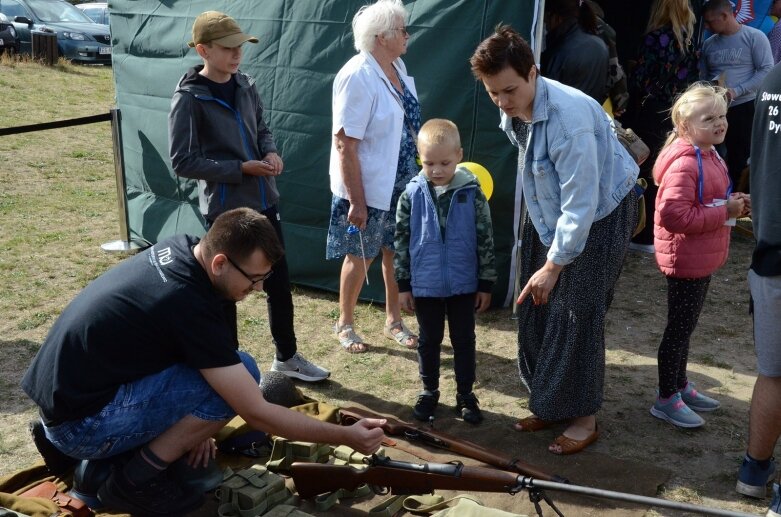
575 170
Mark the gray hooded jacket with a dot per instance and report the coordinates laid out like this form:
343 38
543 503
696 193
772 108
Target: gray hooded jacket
209 140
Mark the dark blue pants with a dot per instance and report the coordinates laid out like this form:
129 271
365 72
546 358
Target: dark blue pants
460 313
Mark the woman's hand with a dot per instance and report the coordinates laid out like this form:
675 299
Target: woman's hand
357 215
541 284
200 454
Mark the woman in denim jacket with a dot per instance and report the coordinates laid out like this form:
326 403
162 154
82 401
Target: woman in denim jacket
581 209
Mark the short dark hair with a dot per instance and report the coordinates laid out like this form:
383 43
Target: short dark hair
505 47
241 231
717 6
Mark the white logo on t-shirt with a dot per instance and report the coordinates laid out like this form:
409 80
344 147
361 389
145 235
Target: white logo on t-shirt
164 256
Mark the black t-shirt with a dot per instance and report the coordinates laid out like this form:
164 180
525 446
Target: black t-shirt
224 91
148 313
765 177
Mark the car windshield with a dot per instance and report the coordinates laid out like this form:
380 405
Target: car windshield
57 11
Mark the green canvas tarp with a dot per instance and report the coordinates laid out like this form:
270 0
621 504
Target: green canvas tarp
303 43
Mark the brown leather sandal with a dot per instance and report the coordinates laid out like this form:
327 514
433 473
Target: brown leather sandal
532 423
571 446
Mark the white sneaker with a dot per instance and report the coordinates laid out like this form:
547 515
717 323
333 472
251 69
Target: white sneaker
298 367
645 248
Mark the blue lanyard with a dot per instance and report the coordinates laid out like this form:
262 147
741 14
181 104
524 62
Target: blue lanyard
701 181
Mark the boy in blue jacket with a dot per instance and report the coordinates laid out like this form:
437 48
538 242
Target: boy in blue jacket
444 263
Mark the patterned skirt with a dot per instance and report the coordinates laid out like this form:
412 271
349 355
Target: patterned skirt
380 224
561 345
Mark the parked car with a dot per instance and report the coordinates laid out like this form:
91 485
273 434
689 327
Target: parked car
78 38
8 40
97 11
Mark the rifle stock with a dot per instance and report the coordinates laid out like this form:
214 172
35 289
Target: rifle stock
401 477
440 440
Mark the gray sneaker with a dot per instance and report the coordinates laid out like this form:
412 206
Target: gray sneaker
675 411
298 367
697 401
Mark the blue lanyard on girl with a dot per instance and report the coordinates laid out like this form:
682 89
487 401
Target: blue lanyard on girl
701 181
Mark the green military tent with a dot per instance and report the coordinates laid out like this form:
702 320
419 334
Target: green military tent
303 43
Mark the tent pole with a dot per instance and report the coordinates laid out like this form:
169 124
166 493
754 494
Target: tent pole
124 244
537 30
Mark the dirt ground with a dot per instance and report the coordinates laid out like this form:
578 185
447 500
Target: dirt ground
635 453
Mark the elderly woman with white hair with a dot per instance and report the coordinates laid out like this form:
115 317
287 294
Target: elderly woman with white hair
376 117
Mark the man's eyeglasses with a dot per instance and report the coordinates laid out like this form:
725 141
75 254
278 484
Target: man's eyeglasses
402 29
255 281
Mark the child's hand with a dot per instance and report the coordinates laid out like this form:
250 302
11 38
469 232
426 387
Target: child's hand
407 302
746 201
258 168
273 160
735 207
482 301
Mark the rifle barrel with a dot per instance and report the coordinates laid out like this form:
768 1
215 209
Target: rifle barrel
631 498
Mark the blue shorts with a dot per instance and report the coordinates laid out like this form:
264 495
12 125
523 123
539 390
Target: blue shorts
766 295
142 410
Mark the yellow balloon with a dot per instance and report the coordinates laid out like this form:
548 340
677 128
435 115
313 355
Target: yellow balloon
482 175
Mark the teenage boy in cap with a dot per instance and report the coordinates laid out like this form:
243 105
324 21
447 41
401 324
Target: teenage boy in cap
217 135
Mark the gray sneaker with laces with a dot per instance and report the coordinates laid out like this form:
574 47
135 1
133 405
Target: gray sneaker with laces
300 368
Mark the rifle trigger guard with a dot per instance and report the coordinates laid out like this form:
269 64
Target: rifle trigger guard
380 490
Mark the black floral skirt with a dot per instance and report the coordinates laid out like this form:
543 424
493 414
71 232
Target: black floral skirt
561 345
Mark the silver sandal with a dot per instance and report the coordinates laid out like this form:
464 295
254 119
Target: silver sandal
349 340
402 336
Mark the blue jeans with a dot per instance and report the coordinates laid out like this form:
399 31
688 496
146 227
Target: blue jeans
142 410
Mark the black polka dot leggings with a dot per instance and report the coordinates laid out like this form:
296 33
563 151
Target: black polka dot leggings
685 297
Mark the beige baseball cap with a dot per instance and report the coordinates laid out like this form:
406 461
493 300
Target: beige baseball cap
219 28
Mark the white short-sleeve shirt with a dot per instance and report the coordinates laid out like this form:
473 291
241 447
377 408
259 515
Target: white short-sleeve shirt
367 107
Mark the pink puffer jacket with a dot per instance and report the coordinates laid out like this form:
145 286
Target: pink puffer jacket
690 238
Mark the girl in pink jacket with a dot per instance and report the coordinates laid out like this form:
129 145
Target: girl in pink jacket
694 209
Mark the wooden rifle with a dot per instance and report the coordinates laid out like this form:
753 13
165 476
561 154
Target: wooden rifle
440 440
399 477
